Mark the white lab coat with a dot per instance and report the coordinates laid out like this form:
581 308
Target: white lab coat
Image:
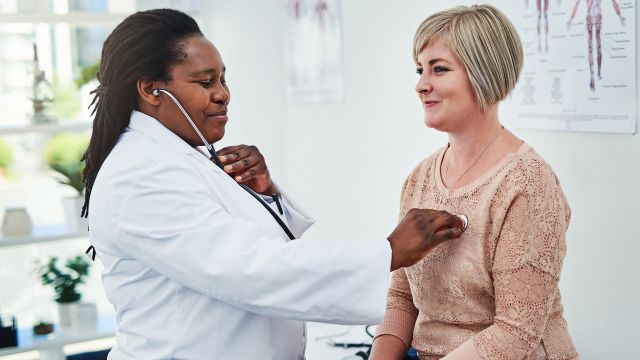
197 269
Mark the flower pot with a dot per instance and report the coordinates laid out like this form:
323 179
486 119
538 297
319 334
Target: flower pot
77 315
85 316
66 313
43 329
72 211
16 222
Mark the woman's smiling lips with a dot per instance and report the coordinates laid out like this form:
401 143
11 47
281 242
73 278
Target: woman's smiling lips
428 104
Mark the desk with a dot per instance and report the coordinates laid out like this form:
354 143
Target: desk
50 346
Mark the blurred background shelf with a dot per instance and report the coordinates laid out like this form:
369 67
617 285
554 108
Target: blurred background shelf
47 128
52 346
42 234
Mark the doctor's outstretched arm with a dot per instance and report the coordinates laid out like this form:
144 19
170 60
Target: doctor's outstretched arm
420 231
193 240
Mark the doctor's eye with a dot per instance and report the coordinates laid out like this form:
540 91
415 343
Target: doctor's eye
205 83
223 81
419 71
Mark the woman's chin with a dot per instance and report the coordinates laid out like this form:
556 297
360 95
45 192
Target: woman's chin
433 122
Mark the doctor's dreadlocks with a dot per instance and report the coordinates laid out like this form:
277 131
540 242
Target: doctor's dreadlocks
146 45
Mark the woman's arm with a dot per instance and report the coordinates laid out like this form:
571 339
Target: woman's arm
394 335
388 347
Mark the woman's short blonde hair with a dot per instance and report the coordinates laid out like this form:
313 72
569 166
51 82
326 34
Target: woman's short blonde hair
484 40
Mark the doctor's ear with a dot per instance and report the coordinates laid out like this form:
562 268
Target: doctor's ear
146 92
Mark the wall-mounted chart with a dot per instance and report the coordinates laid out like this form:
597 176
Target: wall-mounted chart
580 65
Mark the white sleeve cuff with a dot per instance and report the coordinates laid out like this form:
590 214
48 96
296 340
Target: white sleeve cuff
297 218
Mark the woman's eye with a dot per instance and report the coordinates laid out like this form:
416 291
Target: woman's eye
419 71
223 81
440 69
205 83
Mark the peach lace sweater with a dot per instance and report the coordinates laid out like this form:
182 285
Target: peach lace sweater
493 293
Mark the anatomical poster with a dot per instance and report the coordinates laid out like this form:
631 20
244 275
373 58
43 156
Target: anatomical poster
580 65
313 51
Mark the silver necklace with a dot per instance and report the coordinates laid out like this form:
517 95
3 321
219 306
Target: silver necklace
446 170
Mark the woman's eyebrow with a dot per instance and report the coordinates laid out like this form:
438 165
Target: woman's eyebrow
433 61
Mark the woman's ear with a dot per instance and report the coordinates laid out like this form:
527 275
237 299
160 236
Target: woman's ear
145 92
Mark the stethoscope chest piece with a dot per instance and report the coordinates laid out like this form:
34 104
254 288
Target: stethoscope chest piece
465 221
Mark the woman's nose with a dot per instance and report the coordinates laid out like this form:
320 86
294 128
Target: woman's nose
423 85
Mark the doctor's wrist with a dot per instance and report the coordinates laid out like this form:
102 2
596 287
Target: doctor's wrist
271 191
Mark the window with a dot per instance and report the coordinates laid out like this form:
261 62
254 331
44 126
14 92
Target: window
68 36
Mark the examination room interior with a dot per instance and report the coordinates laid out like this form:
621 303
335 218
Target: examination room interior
343 155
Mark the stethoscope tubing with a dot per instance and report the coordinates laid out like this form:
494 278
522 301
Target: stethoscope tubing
215 159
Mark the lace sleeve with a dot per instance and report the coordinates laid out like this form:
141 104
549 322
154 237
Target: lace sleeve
400 317
401 314
526 268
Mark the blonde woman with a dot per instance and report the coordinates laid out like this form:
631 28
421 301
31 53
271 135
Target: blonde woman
493 293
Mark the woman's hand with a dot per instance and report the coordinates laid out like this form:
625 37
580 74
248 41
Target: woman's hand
247 166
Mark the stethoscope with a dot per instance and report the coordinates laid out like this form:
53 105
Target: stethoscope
214 157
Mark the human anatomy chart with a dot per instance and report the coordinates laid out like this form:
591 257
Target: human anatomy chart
580 65
314 51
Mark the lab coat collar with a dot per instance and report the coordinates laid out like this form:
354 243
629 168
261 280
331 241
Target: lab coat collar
157 132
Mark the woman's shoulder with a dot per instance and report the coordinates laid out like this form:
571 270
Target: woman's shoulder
529 175
528 168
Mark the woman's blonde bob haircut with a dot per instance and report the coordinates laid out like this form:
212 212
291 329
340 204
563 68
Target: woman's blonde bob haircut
483 39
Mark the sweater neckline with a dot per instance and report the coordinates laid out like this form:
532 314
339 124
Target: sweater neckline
524 147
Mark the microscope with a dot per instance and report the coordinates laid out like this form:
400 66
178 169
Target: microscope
42 92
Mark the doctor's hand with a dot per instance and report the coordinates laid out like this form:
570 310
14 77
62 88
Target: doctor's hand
247 165
419 232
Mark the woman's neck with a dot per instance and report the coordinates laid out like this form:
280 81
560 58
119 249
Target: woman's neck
471 149
468 141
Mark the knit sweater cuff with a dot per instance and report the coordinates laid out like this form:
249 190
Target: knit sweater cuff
399 324
466 351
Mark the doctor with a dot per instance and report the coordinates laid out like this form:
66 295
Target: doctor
194 265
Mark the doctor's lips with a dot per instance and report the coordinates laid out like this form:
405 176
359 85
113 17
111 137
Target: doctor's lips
219 116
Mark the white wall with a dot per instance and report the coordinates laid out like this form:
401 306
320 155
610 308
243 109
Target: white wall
248 35
347 161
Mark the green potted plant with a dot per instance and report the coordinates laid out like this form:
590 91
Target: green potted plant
88 74
43 328
65 282
6 157
86 82
63 155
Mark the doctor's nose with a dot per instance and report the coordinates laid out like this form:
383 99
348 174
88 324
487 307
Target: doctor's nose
221 95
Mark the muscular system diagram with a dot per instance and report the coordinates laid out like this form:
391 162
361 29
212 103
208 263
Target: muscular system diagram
594 20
